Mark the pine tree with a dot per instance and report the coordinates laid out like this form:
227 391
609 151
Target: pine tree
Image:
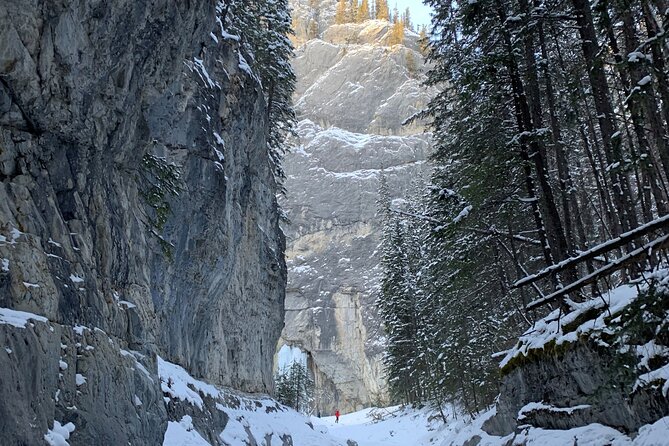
340 15
265 26
312 30
396 33
314 19
406 18
382 11
363 11
294 387
352 11
423 41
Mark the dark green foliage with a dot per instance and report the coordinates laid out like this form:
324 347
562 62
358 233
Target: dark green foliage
537 155
264 27
294 387
162 180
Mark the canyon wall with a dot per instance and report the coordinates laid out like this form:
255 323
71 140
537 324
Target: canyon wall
353 95
137 215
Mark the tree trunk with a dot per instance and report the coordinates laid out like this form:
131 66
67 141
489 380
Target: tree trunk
602 98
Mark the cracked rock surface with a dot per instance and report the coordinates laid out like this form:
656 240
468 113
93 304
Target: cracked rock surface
90 94
352 99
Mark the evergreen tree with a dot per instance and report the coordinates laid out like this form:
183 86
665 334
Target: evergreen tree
340 14
363 11
423 41
312 30
352 11
264 26
406 18
294 387
382 11
396 33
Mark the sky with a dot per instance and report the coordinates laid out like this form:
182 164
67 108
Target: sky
420 14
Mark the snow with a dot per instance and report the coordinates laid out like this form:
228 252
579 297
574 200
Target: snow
549 329
655 434
244 66
463 214
79 329
76 279
199 67
15 234
229 36
301 269
661 374
265 416
176 382
590 435
30 285
182 433
287 355
636 56
18 319
138 365
531 407
80 379
5 265
644 81
59 435
392 426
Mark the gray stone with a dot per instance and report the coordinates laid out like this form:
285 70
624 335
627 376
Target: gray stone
353 95
86 91
583 374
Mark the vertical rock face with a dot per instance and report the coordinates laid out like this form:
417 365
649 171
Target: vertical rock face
97 100
353 95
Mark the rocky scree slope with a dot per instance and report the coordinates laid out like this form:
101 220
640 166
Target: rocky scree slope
97 101
352 99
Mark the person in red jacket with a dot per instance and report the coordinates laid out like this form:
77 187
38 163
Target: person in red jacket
337 416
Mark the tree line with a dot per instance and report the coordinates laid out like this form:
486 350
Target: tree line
550 136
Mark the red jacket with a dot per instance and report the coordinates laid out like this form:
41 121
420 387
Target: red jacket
337 414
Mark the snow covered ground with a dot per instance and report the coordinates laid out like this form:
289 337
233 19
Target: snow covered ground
420 427
268 422
397 426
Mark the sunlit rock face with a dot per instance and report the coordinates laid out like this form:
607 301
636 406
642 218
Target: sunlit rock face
353 95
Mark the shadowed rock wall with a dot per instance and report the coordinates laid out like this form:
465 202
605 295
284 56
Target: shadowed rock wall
87 91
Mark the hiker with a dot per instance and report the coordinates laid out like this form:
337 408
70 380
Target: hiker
337 416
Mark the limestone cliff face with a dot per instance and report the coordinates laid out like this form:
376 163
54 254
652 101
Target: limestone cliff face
352 99
97 99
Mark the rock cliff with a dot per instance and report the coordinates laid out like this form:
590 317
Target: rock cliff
137 216
605 363
352 97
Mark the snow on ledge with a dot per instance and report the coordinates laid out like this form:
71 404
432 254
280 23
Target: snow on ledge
550 328
18 319
180 433
532 407
59 435
177 382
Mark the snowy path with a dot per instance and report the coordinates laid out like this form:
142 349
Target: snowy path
399 428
